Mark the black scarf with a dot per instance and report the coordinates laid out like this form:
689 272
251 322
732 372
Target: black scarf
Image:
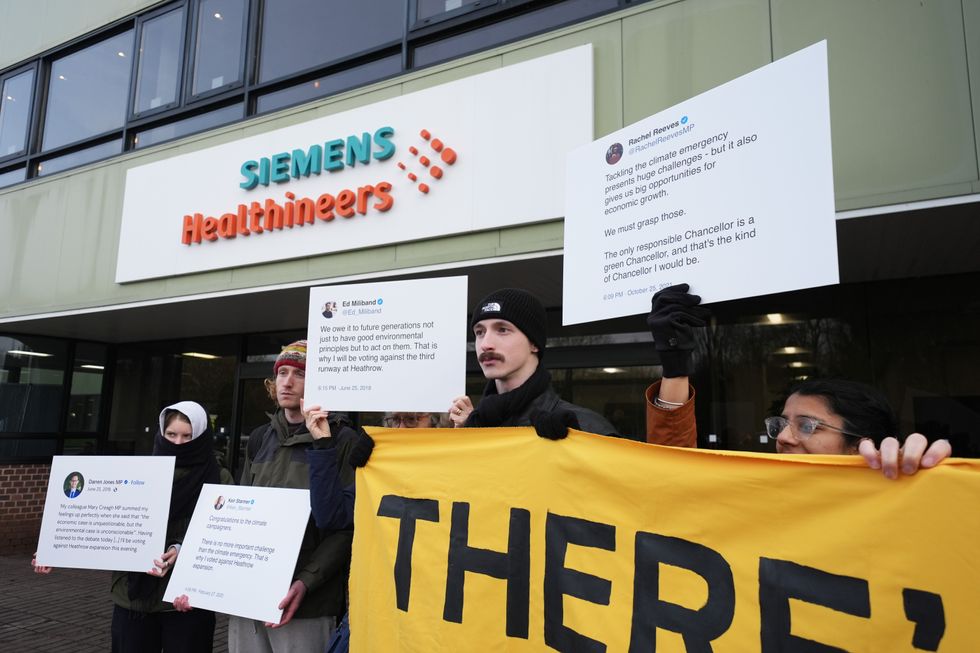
198 457
496 409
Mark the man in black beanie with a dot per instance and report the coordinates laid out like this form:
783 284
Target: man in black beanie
511 330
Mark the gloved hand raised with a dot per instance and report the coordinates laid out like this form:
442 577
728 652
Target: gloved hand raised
554 424
674 315
361 448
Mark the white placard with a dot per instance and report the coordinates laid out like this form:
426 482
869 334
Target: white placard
731 191
389 346
106 512
240 550
498 139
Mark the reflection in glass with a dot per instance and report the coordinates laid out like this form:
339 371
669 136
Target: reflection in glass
59 163
190 125
153 375
159 65
510 30
27 447
327 30
431 8
12 176
80 447
15 113
219 46
330 84
87 91
86 388
31 377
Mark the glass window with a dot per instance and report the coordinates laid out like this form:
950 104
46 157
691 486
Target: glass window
59 163
190 125
428 11
151 376
330 84
12 176
302 34
87 92
27 447
86 388
80 447
510 30
160 53
15 113
31 379
219 45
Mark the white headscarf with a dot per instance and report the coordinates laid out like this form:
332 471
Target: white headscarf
194 412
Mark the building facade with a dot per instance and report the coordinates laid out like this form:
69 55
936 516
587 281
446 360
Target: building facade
92 91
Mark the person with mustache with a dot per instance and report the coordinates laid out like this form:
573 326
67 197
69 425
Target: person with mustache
510 328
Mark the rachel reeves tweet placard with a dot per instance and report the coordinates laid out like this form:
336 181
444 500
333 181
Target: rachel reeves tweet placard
731 191
106 512
394 345
240 550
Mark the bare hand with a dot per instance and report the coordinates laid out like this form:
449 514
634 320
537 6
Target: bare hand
289 605
460 410
40 569
316 421
163 564
907 459
182 603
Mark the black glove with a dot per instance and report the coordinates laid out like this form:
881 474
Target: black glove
674 314
361 450
554 424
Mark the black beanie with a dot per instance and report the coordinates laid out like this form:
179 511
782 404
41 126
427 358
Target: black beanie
520 308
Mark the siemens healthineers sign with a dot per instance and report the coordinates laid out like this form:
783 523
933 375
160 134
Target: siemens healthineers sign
479 153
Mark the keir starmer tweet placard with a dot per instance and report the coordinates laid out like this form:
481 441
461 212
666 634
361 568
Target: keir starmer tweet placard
394 345
240 550
106 512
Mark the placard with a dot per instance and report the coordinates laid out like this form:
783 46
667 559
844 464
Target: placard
106 512
731 191
390 346
241 538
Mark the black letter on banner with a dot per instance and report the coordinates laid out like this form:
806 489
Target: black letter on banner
781 580
515 566
697 627
925 610
559 533
406 510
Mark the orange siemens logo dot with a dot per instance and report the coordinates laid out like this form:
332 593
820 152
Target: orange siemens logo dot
445 154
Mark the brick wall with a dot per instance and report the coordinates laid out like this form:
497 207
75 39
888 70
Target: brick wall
22 490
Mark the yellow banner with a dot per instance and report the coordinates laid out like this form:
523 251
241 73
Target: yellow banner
498 540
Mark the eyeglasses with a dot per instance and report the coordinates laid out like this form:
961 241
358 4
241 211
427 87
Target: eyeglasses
407 421
803 427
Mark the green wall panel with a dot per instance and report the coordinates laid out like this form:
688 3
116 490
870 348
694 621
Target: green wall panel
678 50
29 27
900 100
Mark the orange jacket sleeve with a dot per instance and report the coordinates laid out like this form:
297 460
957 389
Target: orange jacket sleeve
675 428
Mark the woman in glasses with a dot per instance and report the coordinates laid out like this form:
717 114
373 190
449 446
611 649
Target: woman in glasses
412 420
828 416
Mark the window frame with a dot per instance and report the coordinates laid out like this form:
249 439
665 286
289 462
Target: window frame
32 67
132 114
246 43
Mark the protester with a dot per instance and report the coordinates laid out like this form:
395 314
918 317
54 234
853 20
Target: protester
828 416
414 420
276 457
331 502
141 621
510 326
